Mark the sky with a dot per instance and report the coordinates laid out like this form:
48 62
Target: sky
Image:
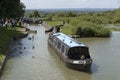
53 4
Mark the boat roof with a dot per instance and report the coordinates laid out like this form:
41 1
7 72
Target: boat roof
68 40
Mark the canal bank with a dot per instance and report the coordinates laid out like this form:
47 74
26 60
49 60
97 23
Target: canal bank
8 35
33 59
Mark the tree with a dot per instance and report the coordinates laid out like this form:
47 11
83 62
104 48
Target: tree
71 14
34 14
49 17
11 8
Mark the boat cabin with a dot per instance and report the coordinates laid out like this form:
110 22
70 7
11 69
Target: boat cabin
69 47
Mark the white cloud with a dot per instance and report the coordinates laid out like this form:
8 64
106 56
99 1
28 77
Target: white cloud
83 0
36 4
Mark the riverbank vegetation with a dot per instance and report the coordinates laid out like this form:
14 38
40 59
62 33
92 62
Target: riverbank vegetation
6 36
9 10
87 24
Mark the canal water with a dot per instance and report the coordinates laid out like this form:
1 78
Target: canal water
32 59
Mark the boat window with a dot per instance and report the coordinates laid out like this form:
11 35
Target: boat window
54 41
63 49
59 45
78 53
66 51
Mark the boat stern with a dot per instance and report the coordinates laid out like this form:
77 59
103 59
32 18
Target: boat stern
82 65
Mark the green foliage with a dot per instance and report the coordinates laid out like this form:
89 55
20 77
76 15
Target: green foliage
85 32
88 24
49 17
6 35
115 29
11 8
54 23
103 32
84 28
71 14
66 14
67 29
34 14
60 14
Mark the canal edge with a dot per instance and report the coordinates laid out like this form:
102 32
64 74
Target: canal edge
7 52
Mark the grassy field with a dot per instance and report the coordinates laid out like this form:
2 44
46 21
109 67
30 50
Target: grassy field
87 24
6 34
83 28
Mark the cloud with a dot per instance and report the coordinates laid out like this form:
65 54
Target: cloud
53 3
84 0
37 4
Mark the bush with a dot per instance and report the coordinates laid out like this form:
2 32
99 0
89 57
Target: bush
103 32
68 29
88 29
85 31
88 24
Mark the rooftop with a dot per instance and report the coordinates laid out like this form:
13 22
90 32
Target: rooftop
68 40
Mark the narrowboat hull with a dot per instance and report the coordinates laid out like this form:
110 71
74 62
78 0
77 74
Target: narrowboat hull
72 63
78 66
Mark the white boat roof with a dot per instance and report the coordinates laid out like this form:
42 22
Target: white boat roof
68 40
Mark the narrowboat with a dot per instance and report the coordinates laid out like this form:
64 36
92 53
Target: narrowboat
74 54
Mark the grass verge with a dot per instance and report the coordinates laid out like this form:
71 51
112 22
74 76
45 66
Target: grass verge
6 34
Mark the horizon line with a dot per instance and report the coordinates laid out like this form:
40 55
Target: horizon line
71 8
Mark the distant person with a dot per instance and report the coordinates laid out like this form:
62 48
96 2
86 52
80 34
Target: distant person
6 22
57 28
13 22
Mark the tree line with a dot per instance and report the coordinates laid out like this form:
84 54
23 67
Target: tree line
87 24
